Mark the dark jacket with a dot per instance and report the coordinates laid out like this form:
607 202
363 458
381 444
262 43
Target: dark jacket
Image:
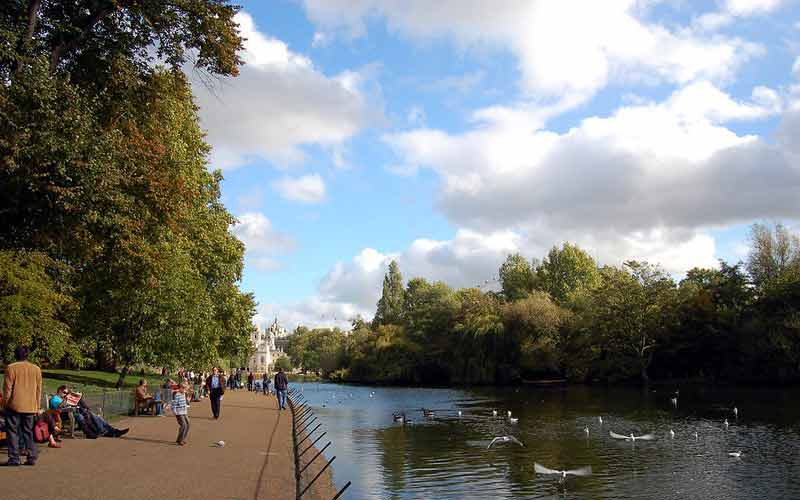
221 382
281 382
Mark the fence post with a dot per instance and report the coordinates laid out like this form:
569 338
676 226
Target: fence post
103 405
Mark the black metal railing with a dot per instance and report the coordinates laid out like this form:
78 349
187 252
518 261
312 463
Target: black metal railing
301 421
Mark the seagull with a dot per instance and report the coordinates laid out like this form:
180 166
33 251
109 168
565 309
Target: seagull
509 413
600 420
696 436
459 413
504 439
513 420
646 437
736 412
583 471
671 434
399 417
494 413
736 454
674 401
725 423
586 431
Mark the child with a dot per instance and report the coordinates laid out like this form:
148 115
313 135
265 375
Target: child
181 411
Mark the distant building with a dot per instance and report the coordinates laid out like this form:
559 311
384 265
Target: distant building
270 344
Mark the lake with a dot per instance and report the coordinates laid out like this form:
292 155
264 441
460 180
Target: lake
447 457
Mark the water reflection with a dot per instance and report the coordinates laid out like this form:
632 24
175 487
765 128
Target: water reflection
447 456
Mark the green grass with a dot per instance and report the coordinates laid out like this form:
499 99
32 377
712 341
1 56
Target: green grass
88 381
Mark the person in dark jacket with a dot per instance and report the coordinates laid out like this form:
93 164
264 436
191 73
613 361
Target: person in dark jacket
215 383
281 384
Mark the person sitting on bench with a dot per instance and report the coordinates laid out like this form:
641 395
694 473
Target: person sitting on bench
92 425
144 401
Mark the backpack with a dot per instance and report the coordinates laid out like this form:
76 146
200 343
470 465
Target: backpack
41 431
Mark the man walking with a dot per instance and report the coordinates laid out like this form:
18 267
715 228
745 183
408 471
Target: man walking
281 384
215 384
22 393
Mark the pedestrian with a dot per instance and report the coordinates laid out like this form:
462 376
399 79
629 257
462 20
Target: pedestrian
281 384
250 380
215 384
265 383
181 411
22 393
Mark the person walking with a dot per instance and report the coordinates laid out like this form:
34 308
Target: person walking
265 383
281 384
215 384
22 393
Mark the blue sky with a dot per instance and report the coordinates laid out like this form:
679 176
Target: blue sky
447 135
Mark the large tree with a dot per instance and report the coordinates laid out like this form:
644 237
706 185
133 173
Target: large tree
567 273
392 301
516 277
774 254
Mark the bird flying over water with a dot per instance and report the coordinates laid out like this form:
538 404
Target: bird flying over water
646 437
513 420
736 454
583 471
504 439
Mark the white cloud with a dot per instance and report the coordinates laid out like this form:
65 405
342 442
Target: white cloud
262 241
645 182
320 40
305 189
751 7
278 104
796 67
567 48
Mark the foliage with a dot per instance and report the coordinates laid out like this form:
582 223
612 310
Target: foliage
567 273
516 277
284 362
390 306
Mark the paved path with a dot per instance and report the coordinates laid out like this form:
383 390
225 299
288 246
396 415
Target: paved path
256 463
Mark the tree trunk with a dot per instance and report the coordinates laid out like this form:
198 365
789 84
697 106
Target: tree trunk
122 374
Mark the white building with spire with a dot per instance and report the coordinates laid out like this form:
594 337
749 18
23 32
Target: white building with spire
266 351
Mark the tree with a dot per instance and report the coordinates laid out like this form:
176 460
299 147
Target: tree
567 273
32 308
516 277
390 305
774 252
633 310
533 325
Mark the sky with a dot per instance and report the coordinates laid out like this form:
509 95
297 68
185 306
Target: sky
446 135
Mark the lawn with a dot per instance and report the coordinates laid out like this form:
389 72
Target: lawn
90 381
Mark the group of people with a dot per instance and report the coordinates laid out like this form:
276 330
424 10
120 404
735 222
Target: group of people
21 397
25 422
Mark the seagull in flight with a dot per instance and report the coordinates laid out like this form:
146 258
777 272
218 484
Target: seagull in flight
646 437
505 439
583 471
736 454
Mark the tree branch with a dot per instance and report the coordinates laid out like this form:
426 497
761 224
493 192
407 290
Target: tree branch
85 28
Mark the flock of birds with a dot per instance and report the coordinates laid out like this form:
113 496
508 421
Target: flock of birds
401 418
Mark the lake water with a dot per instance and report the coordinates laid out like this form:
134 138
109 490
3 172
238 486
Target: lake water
447 457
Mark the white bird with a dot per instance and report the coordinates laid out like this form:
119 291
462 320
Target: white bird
600 420
504 439
459 413
725 423
220 444
671 434
646 437
494 413
736 454
509 413
513 420
582 472
736 412
586 431
674 401
696 436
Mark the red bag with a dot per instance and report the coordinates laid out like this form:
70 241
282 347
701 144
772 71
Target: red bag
41 432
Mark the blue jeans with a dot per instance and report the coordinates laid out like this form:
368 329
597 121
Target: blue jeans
281 398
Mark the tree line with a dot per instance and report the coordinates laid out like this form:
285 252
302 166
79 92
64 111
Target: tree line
567 317
114 245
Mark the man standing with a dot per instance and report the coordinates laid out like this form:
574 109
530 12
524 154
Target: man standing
215 384
250 380
281 384
22 393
